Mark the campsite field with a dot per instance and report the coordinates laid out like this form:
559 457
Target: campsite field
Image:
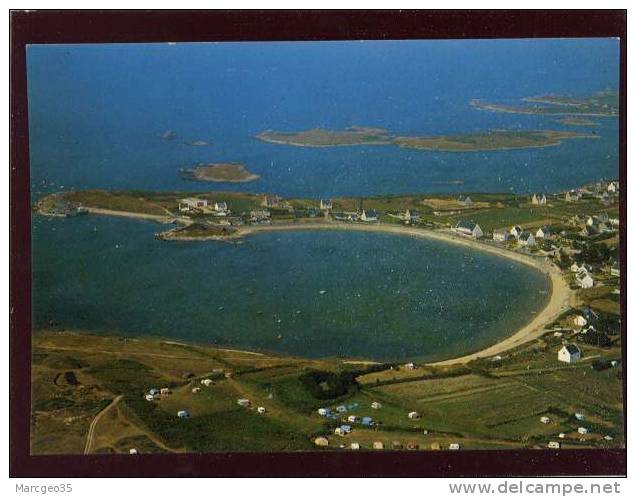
77 376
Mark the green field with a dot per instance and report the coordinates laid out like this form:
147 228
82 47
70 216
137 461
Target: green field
479 405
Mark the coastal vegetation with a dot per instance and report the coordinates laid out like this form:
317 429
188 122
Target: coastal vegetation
469 142
492 140
506 398
320 137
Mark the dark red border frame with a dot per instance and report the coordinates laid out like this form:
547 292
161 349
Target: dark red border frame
148 26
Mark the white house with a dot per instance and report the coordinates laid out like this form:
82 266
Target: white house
196 390
369 216
612 187
220 207
526 239
580 321
501 235
326 204
150 398
187 204
352 419
539 200
545 232
545 420
469 228
584 279
465 202
516 231
569 353
414 415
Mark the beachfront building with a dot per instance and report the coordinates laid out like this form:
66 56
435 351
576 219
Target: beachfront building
526 239
501 235
191 203
469 228
584 279
220 208
516 231
569 353
326 204
369 215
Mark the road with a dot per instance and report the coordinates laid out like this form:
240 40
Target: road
90 438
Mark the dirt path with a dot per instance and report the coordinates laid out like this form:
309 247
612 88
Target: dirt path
90 438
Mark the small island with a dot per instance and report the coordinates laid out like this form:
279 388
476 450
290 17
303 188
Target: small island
577 121
198 143
219 173
320 137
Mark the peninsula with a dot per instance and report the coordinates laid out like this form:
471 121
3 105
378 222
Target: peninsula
219 173
602 104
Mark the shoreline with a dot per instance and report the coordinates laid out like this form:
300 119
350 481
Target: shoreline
560 294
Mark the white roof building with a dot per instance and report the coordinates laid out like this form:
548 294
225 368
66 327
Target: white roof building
569 353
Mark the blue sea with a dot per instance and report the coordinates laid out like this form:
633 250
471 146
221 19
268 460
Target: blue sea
97 113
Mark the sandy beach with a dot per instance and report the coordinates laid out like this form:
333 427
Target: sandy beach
560 293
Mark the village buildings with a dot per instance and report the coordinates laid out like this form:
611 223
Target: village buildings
191 203
468 228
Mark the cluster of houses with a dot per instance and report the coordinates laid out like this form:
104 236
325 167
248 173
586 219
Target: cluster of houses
364 215
605 191
407 217
156 393
538 199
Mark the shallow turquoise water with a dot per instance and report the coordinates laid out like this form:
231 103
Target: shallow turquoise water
384 297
